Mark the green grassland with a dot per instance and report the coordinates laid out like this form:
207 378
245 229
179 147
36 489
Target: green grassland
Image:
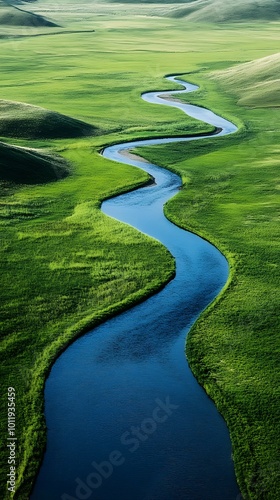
15 16
20 165
62 266
256 83
214 11
32 122
217 11
232 198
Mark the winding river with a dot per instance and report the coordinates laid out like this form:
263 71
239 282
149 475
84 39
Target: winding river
126 418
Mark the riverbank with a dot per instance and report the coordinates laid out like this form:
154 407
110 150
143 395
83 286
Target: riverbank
231 199
65 276
138 339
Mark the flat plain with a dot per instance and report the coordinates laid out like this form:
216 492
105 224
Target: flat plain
62 261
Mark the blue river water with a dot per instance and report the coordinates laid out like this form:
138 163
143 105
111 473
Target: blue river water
126 418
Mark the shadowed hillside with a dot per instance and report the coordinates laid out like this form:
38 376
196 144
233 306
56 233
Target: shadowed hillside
256 83
29 166
155 1
14 16
32 122
213 11
15 2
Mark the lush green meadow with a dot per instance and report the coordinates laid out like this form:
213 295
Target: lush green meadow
232 199
62 261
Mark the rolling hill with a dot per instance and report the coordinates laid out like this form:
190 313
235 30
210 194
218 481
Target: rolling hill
255 83
32 122
210 11
13 16
154 1
214 11
29 166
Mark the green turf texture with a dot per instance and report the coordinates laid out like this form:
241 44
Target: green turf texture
62 264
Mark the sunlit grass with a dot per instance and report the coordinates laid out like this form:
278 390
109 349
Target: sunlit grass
232 198
255 83
63 266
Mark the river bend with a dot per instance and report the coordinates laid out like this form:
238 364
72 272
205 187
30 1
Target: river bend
126 418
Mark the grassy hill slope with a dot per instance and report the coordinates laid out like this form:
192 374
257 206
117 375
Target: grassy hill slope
211 11
29 166
13 16
18 119
155 1
223 11
256 83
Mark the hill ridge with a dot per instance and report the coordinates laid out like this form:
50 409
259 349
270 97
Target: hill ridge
18 119
12 15
217 11
19 165
255 83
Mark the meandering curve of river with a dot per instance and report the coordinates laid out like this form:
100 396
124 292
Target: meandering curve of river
126 418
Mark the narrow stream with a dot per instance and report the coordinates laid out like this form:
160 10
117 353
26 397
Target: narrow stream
126 418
